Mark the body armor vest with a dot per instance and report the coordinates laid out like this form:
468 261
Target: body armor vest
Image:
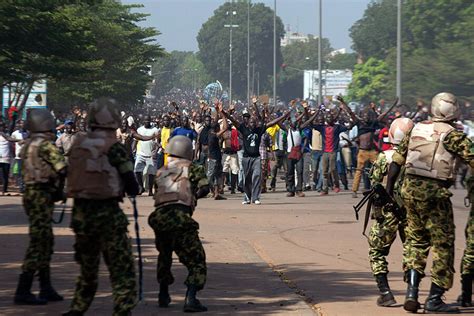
35 169
90 174
173 185
427 156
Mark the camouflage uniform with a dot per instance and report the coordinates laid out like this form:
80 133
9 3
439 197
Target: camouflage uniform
467 262
430 220
385 226
176 230
101 227
38 202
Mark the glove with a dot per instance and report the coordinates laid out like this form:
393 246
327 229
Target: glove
131 185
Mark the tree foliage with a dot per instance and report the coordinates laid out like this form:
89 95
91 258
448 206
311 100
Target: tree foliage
213 40
178 69
343 61
437 46
299 56
85 49
376 32
369 81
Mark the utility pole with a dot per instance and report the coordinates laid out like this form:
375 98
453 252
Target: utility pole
399 51
320 84
248 53
274 53
230 26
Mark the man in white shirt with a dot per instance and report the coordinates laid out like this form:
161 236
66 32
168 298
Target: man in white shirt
145 151
19 134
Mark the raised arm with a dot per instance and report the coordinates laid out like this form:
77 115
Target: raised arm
229 117
224 121
381 116
279 119
346 108
255 107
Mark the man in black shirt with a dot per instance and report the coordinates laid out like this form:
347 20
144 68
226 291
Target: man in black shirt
251 164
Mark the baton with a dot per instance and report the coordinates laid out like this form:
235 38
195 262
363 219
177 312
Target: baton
139 248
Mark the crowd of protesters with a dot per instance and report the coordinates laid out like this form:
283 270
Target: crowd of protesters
244 148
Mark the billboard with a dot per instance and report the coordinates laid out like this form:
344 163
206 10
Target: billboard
36 99
334 82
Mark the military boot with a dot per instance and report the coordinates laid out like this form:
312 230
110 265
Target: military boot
23 295
386 298
435 305
191 303
411 300
47 292
164 298
465 299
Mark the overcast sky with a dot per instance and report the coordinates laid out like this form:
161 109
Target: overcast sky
179 21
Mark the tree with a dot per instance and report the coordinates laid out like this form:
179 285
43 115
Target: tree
299 56
343 61
213 40
178 69
125 50
369 81
43 39
434 23
376 32
429 71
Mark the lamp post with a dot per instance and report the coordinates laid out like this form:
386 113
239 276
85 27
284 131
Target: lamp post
319 52
274 53
230 26
248 53
399 51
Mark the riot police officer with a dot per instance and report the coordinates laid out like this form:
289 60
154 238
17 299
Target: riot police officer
100 170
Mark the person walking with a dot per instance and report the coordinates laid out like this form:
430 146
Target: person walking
252 135
100 171
179 184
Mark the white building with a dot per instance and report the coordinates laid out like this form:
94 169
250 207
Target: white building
334 82
293 37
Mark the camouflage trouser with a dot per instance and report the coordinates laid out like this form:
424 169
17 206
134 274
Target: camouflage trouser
430 224
381 237
467 262
101 228
39 206
175 230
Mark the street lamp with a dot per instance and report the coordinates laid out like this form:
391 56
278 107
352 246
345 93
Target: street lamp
319 51
274 53
230 26
248 53
399 51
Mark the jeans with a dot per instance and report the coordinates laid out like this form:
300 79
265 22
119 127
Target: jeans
306 168
280 157
5 169
252 177
316 167
214 172
294 165
329 166
240 156
19 177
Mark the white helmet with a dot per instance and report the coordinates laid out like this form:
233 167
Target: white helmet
444 107
398 129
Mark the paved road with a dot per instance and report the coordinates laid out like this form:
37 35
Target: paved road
288 256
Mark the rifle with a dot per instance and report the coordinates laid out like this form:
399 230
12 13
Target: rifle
379 197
